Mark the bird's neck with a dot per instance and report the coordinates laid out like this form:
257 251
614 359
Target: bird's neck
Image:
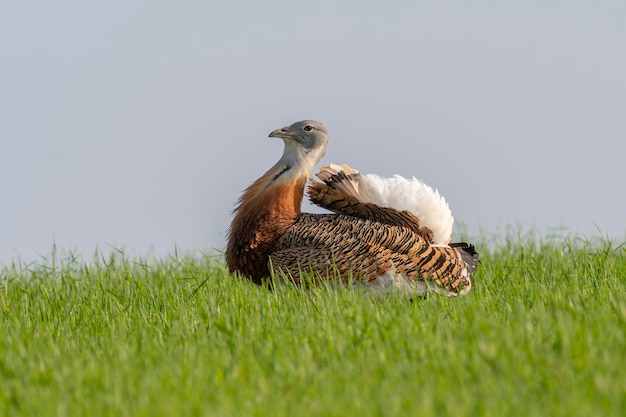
266 210
278 193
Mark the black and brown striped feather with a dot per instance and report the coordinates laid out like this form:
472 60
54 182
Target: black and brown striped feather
325 195
366 249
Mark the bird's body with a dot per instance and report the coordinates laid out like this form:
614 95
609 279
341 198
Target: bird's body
377 237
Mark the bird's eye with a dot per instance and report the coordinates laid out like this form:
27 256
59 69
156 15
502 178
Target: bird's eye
308 128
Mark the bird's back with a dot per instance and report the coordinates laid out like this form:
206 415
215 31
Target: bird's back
347 246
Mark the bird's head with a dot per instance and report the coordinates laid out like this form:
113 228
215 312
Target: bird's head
305 142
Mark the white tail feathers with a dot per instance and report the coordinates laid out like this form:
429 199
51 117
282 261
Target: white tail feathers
399 193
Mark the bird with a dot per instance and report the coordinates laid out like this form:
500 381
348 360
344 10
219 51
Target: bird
382 234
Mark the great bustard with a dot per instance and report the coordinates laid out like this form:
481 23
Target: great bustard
386 233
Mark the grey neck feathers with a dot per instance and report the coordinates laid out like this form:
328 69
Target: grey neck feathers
297 162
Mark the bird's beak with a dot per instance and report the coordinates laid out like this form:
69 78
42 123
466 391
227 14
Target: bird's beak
281 133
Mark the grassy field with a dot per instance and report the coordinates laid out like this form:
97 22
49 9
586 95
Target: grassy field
542 333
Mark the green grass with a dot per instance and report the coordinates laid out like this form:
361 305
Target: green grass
542 333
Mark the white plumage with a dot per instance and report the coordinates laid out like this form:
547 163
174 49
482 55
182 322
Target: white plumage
401 193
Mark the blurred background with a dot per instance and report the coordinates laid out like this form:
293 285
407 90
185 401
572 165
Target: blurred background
136 125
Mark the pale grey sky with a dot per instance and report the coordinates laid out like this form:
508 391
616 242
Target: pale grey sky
138 124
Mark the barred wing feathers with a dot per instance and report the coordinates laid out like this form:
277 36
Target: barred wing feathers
395 200
343 245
